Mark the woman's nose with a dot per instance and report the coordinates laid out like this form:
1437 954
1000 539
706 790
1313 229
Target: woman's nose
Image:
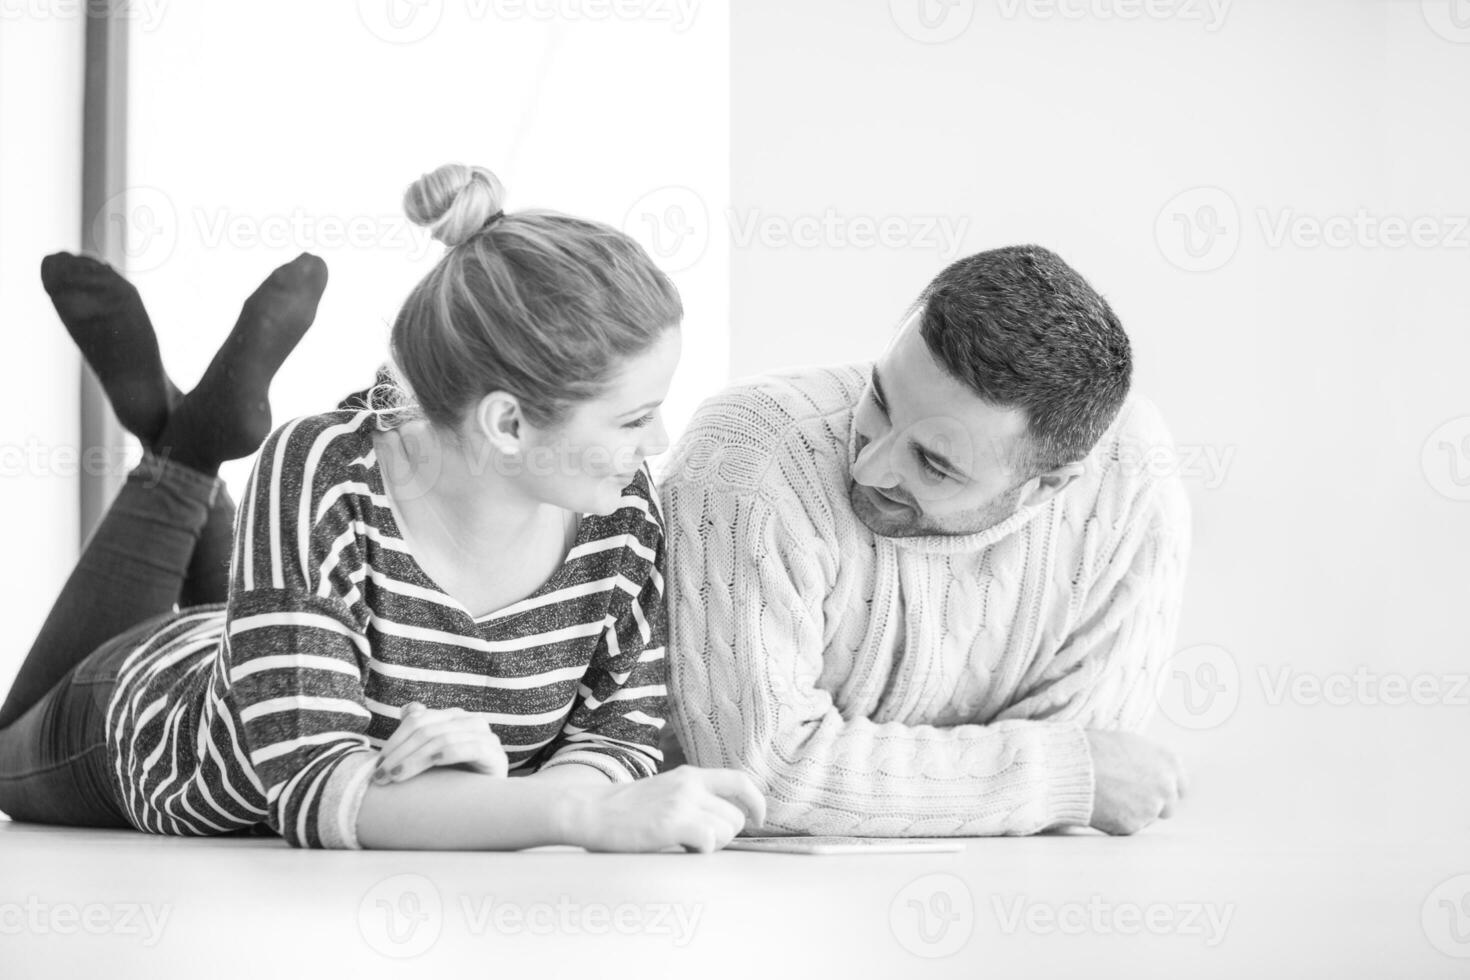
658 437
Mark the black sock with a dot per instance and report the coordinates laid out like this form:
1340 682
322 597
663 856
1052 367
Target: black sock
105 317
228 413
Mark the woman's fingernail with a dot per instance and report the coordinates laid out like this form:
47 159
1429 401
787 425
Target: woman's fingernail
395 770
436 757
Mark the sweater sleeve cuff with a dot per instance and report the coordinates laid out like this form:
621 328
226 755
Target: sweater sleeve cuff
1069 784
342 799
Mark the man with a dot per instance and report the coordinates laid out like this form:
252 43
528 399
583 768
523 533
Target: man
930 596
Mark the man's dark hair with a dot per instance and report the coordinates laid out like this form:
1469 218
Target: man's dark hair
1023 330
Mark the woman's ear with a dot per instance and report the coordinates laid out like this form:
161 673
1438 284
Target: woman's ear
499 421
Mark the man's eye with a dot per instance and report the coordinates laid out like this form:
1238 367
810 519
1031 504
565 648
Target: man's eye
873 393
929 467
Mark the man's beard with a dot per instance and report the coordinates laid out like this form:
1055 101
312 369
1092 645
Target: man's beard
914 523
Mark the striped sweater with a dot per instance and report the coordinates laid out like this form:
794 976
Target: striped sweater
270 709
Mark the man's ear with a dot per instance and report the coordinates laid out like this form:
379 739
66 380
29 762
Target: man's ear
1043 486
499 421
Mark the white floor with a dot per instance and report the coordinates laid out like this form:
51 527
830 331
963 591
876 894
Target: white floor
1195 897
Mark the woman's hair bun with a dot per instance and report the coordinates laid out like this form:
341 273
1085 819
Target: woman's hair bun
454 201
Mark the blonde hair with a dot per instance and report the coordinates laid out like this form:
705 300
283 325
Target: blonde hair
540 305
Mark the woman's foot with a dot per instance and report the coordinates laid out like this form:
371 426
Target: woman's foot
228 413
105 317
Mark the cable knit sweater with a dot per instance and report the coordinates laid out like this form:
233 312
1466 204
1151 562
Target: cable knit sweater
931 686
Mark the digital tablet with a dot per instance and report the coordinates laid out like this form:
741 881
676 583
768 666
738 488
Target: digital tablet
846 845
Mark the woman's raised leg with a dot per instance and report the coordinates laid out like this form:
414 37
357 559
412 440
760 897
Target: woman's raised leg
165 537
134 565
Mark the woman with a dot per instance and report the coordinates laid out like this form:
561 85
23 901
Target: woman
420 599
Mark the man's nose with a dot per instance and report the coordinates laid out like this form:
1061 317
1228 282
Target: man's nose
872 467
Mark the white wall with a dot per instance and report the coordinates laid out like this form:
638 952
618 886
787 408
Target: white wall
302 124
1315 375
40 208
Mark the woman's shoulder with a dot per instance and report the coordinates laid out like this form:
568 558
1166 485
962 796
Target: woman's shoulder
328 441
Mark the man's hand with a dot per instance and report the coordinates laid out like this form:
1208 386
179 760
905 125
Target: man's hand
1136 781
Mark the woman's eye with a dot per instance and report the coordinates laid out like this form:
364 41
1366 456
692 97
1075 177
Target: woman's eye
640 423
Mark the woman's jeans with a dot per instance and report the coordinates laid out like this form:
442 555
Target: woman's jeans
165 540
